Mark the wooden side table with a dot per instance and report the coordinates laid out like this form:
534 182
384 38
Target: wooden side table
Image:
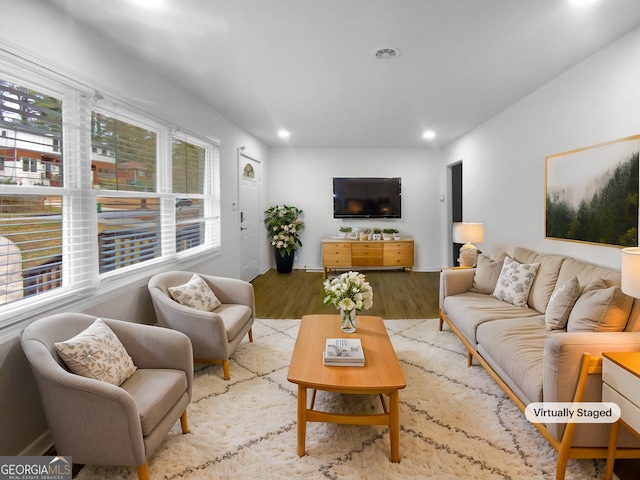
621 385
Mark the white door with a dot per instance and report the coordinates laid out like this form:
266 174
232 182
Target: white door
250 216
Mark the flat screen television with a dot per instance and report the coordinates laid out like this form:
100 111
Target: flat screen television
367 197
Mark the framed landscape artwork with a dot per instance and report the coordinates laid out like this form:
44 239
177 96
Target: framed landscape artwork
591 194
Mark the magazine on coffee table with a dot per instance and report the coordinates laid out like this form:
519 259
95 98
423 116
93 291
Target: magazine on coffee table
343 352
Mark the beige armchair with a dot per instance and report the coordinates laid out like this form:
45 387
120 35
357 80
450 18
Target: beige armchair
99 423
214 335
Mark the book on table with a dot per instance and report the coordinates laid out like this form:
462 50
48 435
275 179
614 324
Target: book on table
343 352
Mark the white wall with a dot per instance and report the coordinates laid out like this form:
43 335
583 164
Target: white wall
504 159
303 177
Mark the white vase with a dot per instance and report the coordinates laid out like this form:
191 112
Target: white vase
348 320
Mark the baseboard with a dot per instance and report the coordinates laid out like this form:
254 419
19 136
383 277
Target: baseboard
40 446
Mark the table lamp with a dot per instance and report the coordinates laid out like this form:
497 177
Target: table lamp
630 271
468 233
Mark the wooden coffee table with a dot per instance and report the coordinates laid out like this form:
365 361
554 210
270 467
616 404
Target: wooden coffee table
381 375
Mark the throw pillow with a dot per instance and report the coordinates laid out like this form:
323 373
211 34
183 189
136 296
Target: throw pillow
196 293
560 304
487 272
515 281
600 309
97 353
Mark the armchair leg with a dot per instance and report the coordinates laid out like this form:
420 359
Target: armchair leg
184 424
225 369
251 334
143 471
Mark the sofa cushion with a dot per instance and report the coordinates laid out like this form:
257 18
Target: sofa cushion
487 272
546 277
515 282
517 349
562 301
97 353
600 309
587 273
196 293
154 392
469 310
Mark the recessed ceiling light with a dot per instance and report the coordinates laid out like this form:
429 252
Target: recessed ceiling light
582 3
150 4
284 134
428 134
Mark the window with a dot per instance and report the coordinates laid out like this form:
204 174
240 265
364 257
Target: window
108 192
189 166
30 225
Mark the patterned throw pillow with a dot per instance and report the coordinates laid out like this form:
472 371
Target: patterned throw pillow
560 304
196 293
515 282
97 353
600 309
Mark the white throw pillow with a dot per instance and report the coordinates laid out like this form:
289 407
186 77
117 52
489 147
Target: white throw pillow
196 293
97 353
560 304
515 282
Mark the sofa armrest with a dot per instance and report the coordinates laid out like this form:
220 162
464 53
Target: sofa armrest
563 356
232 290
454 281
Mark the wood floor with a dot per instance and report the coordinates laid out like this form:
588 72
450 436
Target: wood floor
396 294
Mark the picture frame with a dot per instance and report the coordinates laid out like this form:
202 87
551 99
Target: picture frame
591 194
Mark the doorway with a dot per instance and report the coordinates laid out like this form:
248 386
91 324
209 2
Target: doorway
250 187
456 206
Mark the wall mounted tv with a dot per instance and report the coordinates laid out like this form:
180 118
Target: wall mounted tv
367 197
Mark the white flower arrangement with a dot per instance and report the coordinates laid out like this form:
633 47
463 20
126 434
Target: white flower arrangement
284 227
349 291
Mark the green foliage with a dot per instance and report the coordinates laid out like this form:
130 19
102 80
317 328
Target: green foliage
284 227
609 217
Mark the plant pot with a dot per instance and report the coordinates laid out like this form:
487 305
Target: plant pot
387 236
284 262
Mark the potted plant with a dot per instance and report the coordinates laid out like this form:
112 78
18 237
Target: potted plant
387 233
284 228
364 233
377 233
344 231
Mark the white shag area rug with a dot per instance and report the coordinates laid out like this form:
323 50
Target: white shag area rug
455 421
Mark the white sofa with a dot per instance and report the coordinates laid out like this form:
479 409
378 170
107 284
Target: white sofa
535 364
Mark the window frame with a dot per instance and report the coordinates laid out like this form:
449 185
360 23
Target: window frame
78 195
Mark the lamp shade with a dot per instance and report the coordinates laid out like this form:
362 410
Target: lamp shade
468 232
631 271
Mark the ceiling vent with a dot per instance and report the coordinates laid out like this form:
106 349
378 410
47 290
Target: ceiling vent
386 53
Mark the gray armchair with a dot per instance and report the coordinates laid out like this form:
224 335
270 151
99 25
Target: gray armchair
214 335
98 423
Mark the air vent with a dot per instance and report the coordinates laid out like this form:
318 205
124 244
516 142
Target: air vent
386 53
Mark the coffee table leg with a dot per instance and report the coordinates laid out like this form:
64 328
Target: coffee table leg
394 425
302 419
